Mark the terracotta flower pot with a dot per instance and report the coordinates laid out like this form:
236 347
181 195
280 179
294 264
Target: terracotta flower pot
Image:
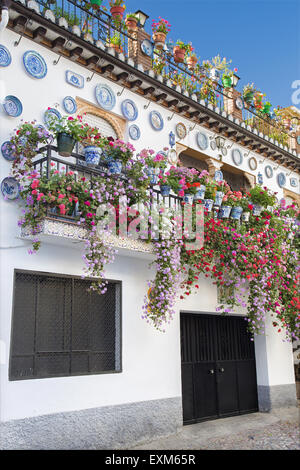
159 40
131 24
117 11
191 62
116 47
178 54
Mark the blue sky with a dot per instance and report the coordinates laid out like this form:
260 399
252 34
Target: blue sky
261 37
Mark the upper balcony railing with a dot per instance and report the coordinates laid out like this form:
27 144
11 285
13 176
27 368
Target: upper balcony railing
95 24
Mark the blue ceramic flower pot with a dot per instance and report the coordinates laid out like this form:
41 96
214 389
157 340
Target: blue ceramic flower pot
245 216
236 213
114 167
219 198
208 204
153 174
257 209
188 198
224 212
165 190
200 193
92 155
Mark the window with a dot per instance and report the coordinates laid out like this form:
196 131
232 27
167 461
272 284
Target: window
60 328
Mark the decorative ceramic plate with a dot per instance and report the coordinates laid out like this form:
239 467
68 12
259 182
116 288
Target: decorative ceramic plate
10 188
293 182
105 97
147 47
34 64
172 139
260 179
134 132
252 163
218 176
74 79
5 57
298 139
172 157
237 157
281 179
12 106
181 130
50 114
202 141
7 151
268 171
156 121
70 105
213 145
129 110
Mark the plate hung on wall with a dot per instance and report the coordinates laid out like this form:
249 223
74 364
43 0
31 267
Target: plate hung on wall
298 139
294 182
172 157
35 64
156 120
74 79
252 163
10 188
5 57
268 171
218 176
129 110
7 151
147 47
202 140
70 105
12 106
105 97
50 114
237 157
281 179
213 145
181 130
134 132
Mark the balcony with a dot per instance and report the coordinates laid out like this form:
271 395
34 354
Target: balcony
97 28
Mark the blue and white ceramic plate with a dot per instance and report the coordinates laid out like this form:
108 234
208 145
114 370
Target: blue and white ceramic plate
10 188
74 79
129 110
12 106
35 64
202 141
237 157
134 132
50 114
5 57
252 163
156 121
7 151
293 182
218 176
147 47
181 130
70 105
268 171
105 97
281 179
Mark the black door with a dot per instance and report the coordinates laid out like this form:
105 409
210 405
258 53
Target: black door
218 367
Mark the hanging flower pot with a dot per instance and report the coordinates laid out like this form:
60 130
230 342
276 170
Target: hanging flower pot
208 204
191 62
95 3
117 47
219 198
178 54
131 24
165 190
257 209
200 193
214 74
153 173
245 216
224 212
159 39
188 198
92 155
114 167
65 144
248 97
227 82
117 12
267 108
236 213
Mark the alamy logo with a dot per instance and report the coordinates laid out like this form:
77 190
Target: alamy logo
296 93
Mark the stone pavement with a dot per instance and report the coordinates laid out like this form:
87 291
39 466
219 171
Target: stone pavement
276 430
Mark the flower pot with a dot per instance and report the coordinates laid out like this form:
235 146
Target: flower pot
188 198
245 216
266 109
114 167
116 47
65 144
224 212
200 193
257 209
219 198
214 74
236 213
248 97
191 62
153 173
178 54
208 204
165 190
131 24
117 12
159 40
92 155
95 2
226 82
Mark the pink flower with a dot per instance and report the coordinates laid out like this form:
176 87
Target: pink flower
62 209
35 184
87 203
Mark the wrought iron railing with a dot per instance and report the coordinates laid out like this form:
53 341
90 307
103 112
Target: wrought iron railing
99 25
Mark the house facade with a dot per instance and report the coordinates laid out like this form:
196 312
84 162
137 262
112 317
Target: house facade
69 377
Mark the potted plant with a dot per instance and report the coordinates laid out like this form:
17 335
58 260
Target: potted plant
267 107
160 30
191 61
210 192
117 8
131 22
247 207
261 198
67 130
258 97
117 154
93 143
216 66
165 188
179 51
95 4
115 42
227 78
248 93
155 164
